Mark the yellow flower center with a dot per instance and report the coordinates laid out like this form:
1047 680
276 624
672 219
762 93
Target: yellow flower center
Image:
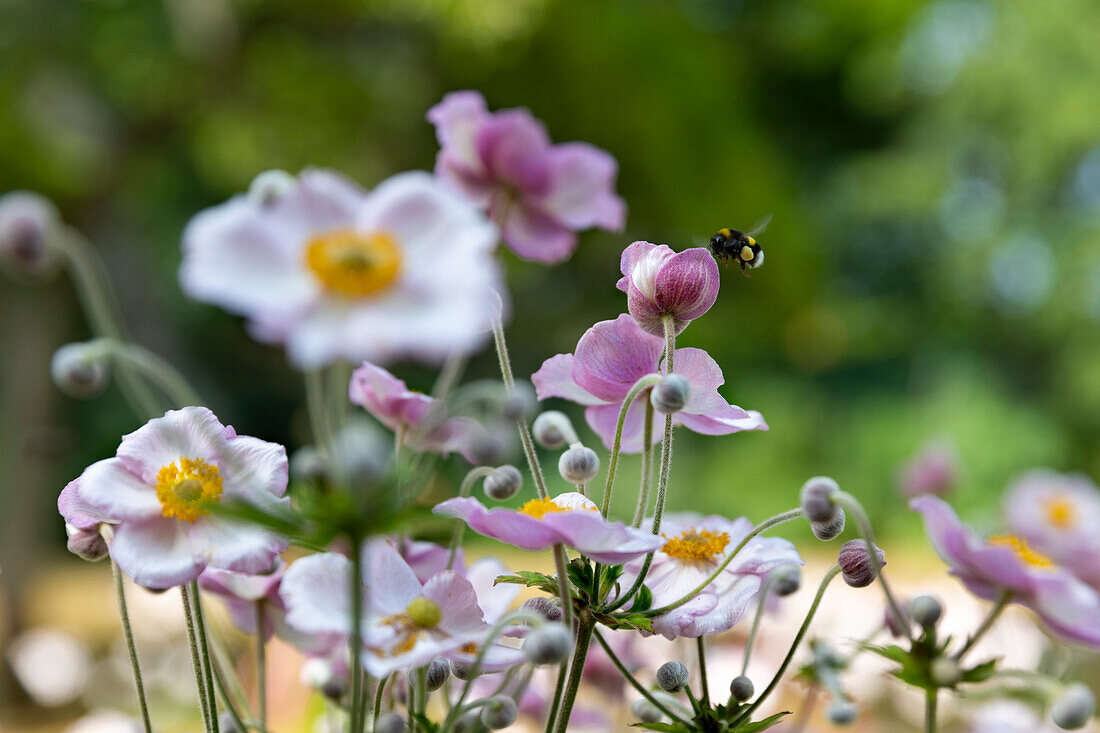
537 508
424 613
352 263
187 488
1023 550
696 544
1060 512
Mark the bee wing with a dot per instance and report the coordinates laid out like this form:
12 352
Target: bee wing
759 226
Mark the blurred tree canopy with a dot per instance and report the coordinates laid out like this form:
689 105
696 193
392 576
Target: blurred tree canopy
933 266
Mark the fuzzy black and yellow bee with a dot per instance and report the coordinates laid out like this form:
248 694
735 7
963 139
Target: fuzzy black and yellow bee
741 247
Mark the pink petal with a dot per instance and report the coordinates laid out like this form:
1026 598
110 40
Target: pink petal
613 355
534 236
494 600
317 593
505 525
191 432
387 398
555 379
250 466
582 188
391 583
604 418
514 146
242 548
722 421
457 600
112 491
591 534
156 552
687 285
457 119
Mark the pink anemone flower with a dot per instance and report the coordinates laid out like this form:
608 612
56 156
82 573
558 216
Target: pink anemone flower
159 490
613 355
569 519
539 194
250 597
419 419
990 567
693 548
659 282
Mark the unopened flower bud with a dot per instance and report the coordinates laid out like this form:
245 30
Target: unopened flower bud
270 186
579 464
520 403
87 544
470 723
827 655
79 370
544 607
226 724
438 672
548 644
671 394
360 454
817 501
424 612
28 222
945 671
672 676
855 563
645 711
829 530
499 712
503 483
551 429
307 464
390 723
841 712
335 689
741 688
462 671
1074 708
786 579
487 448
926 611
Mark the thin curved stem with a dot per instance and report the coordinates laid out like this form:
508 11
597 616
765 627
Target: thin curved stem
219 684
625 597
646 382
378 695
758 529
464 491
521 423
751 641
832 573
635 683
646 481
131 647
157 370
666 443
261 664
986 625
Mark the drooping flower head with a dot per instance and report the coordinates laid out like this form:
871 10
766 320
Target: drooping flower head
659 282
1059 515
334 272
158 492
693 547
611 357
569 519
419 418
539 193
989 567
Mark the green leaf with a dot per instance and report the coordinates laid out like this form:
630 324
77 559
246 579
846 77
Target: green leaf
667 727
642 600
980 672
760 724
424 723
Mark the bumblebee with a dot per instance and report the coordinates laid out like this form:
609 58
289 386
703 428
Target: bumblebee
741 247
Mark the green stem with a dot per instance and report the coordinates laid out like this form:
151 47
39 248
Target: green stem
152 367
744 716
521 423
758 529
646 382
691 699
666 444
204 650
761 600
460 527
701 646
358 719
131 648
261 664
318 415
585 628
196 662
564 588
219 684
555 701
635 683
930 699
986 625
378 694
645 483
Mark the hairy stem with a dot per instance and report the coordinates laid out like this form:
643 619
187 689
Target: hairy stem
261 664
521 423
196 662
460 526
585 628
750 642
358 722
645 383
204 651
646 481
635 683
131 648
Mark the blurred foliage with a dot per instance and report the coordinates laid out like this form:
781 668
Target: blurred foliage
933 267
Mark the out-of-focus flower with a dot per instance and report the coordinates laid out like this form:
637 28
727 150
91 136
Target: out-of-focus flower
1059 514
539 193
28 222
244 593
933 470
427 558
1008 716
569 519
105 721
659 282
158 492
536 699
51 665
334 272
613 355
992 566
693 547
419 419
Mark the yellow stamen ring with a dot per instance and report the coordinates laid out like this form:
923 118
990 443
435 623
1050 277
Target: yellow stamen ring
187 488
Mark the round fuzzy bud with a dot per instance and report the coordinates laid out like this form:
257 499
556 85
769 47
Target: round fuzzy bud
671 394
28 223
437 673
672 676
829 530
79 370
424 612
499 712
1074 708
945 671
544 607
307 464
335 689
741 688
645 711
786 579
816 499
503 483
390 723
520 403
462 671
360 454
855 563
488 448
470 723
548 644
551 428
270 186
579 465
87 544
226 724
828 655
926 611
841 712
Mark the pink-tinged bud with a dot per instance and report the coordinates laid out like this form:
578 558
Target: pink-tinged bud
79 370
28 224
659 282
503 483
829 530
817 499
87 544
933 470
856 565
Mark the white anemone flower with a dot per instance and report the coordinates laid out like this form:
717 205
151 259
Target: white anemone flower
335 272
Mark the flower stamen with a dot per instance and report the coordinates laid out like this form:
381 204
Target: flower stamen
1060 512
355 264
187 488
696 544
1023 550
538 508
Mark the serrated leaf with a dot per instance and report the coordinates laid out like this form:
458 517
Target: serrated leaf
761 724
643 599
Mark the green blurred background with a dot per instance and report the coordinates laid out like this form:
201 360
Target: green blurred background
933 266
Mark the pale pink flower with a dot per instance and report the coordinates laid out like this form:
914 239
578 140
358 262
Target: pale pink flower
659 282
